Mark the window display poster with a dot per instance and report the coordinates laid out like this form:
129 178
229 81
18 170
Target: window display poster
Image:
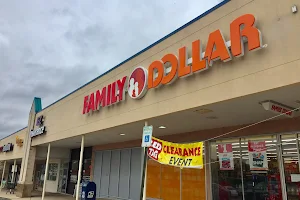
225 156
257 155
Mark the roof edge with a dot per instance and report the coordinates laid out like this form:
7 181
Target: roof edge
13 133
145 49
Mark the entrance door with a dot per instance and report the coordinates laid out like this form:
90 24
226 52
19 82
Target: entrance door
63 177
290 157
261 176
39 177
291 170
73 172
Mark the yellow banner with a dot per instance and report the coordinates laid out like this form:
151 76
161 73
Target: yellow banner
178 155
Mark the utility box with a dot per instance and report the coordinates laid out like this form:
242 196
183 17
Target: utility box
88 191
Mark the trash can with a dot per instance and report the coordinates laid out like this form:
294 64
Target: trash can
88 191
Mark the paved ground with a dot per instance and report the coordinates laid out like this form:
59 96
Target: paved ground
4 196
38 196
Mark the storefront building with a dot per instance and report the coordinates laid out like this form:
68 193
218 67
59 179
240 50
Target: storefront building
229 78
11 154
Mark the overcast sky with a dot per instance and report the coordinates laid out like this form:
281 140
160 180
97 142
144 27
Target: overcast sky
50 48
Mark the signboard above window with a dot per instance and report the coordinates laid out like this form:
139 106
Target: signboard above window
41 130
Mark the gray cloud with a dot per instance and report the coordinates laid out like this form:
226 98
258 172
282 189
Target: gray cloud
48 49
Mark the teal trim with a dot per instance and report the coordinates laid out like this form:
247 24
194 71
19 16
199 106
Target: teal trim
37 104
152 45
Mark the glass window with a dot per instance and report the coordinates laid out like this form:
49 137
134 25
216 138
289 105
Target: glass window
87 167
245 168
86 170
52 173
226 169
260 168
289 144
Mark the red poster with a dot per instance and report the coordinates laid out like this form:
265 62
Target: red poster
225 156
258 155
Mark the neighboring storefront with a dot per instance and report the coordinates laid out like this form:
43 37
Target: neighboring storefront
74 167
229 79
11 153
117 173
262 167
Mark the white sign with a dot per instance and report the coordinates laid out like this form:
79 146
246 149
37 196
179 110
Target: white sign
38 131
90 194
8 147
13 168
278 108
226 157
258 155
295 177
147 136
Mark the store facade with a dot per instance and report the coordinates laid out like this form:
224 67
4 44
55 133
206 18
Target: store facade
228 78
74 167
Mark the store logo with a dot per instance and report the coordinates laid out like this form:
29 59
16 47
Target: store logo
39 121
90 194
137 83
167 69
7 148
19 141
41 129
216 49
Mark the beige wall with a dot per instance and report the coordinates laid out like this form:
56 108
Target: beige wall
279 62
17 151
55 153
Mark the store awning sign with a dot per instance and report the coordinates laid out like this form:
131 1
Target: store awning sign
226 157
257 155
19 141
175 154
7 148
278 108
41 130
171 66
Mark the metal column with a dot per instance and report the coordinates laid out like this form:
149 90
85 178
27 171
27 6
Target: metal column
3 172
13 174
281 167
144 172
46 171
241 163
80 168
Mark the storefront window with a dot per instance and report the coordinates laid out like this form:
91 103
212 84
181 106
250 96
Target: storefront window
290 157
52 174
226 170
261 175
74 171
246 168
86 169
39 176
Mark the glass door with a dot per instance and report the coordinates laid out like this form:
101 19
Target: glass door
261 175
39 177
73 172
290 157
63 177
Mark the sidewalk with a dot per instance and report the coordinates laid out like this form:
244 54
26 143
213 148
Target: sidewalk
4 196
51 196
